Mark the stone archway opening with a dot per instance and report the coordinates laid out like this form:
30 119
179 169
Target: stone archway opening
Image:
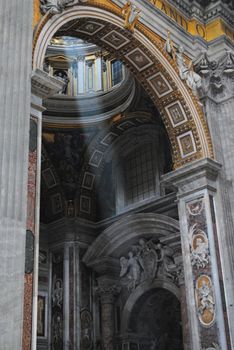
155 321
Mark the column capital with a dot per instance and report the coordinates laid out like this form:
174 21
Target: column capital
193 177
107 291
44 85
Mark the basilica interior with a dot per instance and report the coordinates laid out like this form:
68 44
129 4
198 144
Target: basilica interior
117 175
109 235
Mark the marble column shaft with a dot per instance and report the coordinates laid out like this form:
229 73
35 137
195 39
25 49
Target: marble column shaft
66 305
15 98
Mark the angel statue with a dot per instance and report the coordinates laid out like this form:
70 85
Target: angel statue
54 6
131 14
167 267
131 269
186 72
169 46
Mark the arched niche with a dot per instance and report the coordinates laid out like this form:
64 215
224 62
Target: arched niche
152 315
179 108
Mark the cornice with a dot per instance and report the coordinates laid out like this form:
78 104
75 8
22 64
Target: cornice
43 85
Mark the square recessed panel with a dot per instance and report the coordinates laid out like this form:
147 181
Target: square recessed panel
49 178
187 144
108 139
88 181
125 125
160 85
176 113
57 206
90 28
96 159
85 204
115 39
139 59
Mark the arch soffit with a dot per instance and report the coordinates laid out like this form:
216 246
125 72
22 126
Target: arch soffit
139 291
131 227
180 110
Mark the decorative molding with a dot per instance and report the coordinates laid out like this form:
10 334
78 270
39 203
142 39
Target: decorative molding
44 85
217 74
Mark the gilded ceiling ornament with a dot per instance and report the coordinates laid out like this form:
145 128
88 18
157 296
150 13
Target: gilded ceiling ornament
131 14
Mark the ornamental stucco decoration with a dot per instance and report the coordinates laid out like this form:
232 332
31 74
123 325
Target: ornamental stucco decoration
56 6
146 261
217 73
186 72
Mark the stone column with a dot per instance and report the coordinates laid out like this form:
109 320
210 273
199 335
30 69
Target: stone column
43 86
15 61
107 293
218 100
81 75
98 66
76 277
66 308
197 186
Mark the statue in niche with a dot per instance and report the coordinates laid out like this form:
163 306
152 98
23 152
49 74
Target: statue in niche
206 299
186 72
146 261
57 329
131 14
86 330
54 6
57 294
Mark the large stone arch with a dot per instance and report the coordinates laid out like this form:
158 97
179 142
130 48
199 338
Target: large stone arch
128 229
189 134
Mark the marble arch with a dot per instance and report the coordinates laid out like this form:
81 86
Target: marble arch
188 132
132 227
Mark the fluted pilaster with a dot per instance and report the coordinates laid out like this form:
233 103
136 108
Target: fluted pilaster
15 98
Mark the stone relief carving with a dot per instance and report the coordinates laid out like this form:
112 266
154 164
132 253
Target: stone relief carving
217 74
55 6
131 14
186 72
205 300
146 261
199 247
